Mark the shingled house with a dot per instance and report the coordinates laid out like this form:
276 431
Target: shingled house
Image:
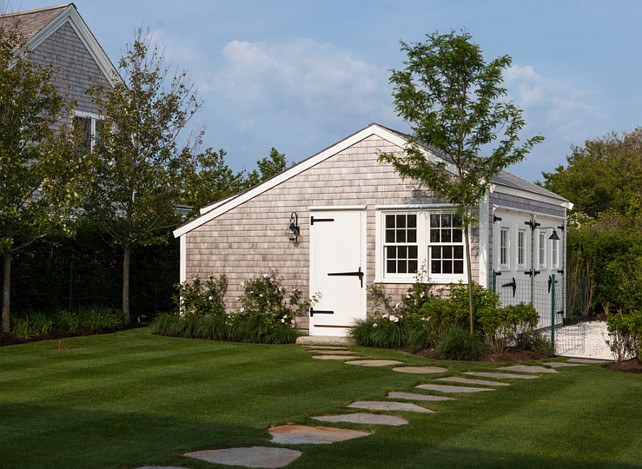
58 36
356 222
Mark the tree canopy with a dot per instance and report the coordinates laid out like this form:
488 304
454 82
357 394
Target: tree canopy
455 104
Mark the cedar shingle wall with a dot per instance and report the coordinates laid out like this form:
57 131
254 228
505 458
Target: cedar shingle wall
250 239
77 69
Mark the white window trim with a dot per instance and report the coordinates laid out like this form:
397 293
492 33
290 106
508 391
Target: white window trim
521 265
555 254
541 256
504 265
423 241
93 117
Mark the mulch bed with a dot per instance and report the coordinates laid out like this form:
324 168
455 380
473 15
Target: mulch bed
632 365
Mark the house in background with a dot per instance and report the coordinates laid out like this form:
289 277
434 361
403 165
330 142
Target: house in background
59 37
359 223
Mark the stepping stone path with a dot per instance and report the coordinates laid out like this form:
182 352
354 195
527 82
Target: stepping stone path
255 456
483 382
450 389
269 457
390 405
413 396
420 369
374 362
491 374
562 364
302 435
360 417
587 360
335 357
528 369
161 467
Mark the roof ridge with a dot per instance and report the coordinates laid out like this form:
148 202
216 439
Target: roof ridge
36 10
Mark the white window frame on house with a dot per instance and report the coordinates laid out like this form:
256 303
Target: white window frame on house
555 254
504 248
423 244
521 249
93 131
541 249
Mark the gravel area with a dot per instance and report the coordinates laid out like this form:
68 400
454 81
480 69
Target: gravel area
586 340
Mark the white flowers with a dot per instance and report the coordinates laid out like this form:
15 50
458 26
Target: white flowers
210 298
242 284
374 325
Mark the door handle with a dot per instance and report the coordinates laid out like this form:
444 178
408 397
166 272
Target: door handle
358 273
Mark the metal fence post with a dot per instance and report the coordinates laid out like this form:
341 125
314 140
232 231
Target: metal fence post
494 282
553 311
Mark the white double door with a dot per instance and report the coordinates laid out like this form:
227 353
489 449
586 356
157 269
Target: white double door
337 270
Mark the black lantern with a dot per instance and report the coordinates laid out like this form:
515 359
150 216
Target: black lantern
293 230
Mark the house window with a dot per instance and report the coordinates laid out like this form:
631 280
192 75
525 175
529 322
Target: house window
89 128
521 248
555 254
542 249
410 241
401 251
503 247
446 248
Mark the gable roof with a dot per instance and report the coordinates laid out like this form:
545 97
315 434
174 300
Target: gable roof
37 25
503 182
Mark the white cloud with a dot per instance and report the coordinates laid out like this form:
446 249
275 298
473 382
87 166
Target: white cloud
300 79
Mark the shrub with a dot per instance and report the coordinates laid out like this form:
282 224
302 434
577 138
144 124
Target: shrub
99 319
202 298
501 326
31 326
626 334
66 322
459 344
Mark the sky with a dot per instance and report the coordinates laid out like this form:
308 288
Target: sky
301 75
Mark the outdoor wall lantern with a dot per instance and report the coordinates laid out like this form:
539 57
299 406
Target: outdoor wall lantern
293 230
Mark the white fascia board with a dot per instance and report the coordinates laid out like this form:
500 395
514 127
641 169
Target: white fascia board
217 210
500 189
72 16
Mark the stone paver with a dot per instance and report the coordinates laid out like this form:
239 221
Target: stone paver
161 467
587 360
302 434
255 456
413 396
374 362
492 374
390 405
420 369
335 357
333 352
562 364
450 389
319 340
483 382
360 417
528 369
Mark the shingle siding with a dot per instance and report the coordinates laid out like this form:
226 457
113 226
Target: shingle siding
250 239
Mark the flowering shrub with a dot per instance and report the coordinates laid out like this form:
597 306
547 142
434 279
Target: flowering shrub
266 311
202 298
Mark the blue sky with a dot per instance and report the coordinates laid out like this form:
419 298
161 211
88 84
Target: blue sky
301 75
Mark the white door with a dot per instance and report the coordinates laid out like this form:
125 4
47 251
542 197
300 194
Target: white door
337 270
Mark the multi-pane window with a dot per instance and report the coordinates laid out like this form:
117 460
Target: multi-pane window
555 253
446 249
503 247
542 249
400 247
521 248
88 130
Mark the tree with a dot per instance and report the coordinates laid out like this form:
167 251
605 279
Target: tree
454 103
139 154
38 161
267 167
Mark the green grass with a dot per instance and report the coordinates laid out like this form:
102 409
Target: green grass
131 398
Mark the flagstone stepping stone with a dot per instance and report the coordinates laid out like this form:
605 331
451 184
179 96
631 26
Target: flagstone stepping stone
587 360
161 467
390 405
255 456
492 374
450 389
361 417
333 352
329 347
528 369
302 434
413 396
420 369
483 382
562 364
374 362
335 357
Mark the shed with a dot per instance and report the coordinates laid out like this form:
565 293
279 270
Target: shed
360 223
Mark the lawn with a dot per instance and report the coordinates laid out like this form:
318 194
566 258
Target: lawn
131 398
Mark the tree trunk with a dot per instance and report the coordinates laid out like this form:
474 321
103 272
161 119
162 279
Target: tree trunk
6 294
127 250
